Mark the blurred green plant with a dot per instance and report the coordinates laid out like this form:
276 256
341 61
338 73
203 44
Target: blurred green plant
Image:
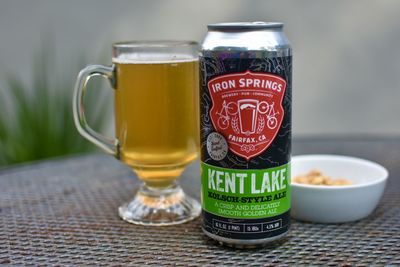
36 120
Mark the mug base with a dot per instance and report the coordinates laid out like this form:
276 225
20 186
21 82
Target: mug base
159 207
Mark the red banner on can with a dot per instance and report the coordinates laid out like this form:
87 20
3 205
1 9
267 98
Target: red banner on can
247 110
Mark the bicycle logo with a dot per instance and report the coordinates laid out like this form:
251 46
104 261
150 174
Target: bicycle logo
247 116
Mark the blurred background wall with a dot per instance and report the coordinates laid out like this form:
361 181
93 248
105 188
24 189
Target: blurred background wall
346 52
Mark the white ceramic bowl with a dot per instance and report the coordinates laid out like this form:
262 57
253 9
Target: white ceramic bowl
337 204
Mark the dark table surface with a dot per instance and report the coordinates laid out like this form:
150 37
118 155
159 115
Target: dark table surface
64 212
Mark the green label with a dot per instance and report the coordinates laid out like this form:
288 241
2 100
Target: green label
245 194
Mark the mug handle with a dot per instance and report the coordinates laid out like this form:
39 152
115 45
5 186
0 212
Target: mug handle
111 146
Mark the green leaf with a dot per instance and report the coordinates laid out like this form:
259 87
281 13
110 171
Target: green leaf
36 119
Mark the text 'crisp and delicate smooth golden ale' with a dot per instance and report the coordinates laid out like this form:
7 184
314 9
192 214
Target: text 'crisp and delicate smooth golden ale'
156 108
156 85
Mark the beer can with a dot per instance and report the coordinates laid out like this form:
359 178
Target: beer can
245 131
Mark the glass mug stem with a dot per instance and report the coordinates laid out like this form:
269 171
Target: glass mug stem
157 145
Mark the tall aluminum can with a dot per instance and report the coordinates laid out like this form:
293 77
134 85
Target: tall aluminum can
245 109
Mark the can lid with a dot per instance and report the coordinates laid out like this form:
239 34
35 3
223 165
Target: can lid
256 25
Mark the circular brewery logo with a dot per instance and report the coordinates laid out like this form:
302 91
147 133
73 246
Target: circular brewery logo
217 146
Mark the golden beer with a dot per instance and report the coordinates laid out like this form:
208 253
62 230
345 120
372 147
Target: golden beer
156 124
156 111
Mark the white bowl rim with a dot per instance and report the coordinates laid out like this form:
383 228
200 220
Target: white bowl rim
371 164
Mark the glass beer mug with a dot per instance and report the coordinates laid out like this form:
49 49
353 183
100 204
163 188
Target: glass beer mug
156 124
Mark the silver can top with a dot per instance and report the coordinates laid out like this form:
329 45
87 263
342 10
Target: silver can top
241 26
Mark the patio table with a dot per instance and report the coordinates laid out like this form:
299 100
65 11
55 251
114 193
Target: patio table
64 212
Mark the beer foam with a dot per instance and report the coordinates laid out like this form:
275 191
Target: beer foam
152 58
